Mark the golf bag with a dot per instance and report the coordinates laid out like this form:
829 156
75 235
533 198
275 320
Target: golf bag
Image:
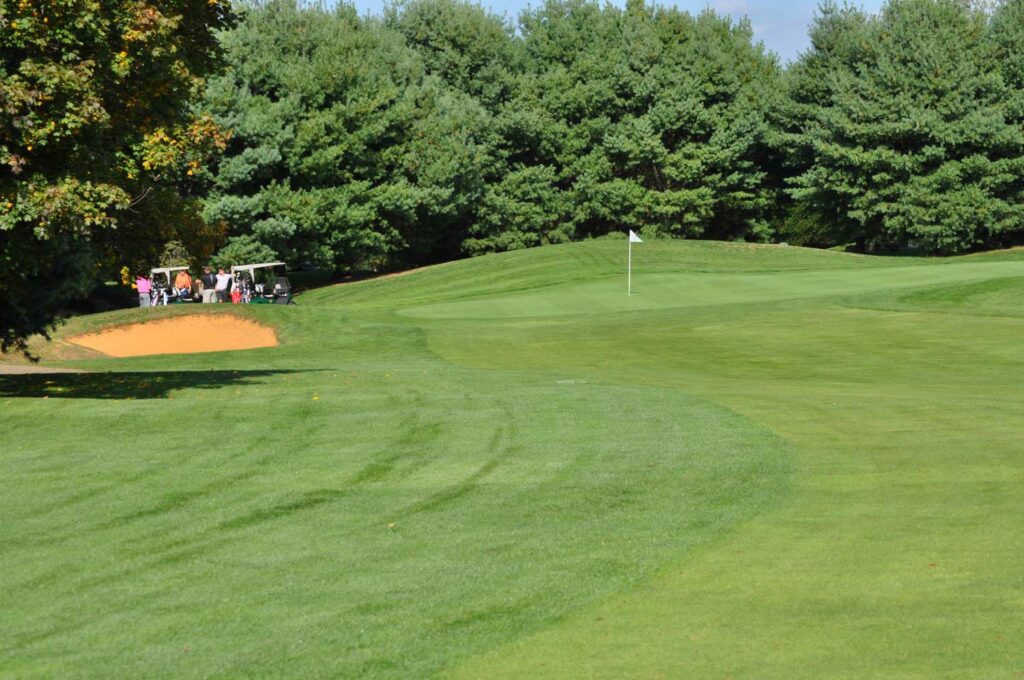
159 294
245 288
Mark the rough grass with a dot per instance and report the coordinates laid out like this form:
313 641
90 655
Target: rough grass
773 463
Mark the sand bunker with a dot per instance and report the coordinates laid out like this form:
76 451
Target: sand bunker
180 335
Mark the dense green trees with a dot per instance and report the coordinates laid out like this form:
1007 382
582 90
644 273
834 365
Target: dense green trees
345 151
440 130
910 129
97 143
653 120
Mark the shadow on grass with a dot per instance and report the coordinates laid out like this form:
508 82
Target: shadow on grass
127 384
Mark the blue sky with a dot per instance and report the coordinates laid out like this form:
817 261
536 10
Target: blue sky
781 24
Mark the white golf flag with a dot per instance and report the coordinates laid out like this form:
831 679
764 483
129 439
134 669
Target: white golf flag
633 238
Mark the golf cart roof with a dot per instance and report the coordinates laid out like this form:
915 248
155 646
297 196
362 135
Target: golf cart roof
250 267
165 270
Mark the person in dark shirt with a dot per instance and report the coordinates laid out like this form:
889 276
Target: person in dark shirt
209 281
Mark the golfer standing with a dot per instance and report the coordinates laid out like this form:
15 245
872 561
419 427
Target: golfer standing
209 285
144 287
223 285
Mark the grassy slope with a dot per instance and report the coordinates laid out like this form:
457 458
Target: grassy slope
826 482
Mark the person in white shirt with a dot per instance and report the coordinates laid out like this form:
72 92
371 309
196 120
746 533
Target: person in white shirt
223 286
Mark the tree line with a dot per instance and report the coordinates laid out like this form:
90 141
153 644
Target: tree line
439 130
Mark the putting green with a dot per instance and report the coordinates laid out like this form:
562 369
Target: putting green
769 462
656 291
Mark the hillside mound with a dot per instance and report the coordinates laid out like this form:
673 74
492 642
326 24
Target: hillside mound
180 335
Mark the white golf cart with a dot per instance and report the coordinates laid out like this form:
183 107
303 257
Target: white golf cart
163 286
264 283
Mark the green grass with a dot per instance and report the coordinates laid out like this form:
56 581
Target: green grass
770 462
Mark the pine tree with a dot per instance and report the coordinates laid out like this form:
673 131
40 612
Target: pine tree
911 134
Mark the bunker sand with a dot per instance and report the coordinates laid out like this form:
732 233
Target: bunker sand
180 335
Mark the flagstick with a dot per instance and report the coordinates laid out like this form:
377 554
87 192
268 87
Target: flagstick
629 271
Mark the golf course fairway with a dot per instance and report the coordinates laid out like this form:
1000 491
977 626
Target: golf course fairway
769 462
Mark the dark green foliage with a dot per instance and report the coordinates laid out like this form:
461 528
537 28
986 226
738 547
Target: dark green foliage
909 126
442 130
524 208
461 43
345 151
97 144
1007 34
37 279
175 254
439 131
243 249
654 118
